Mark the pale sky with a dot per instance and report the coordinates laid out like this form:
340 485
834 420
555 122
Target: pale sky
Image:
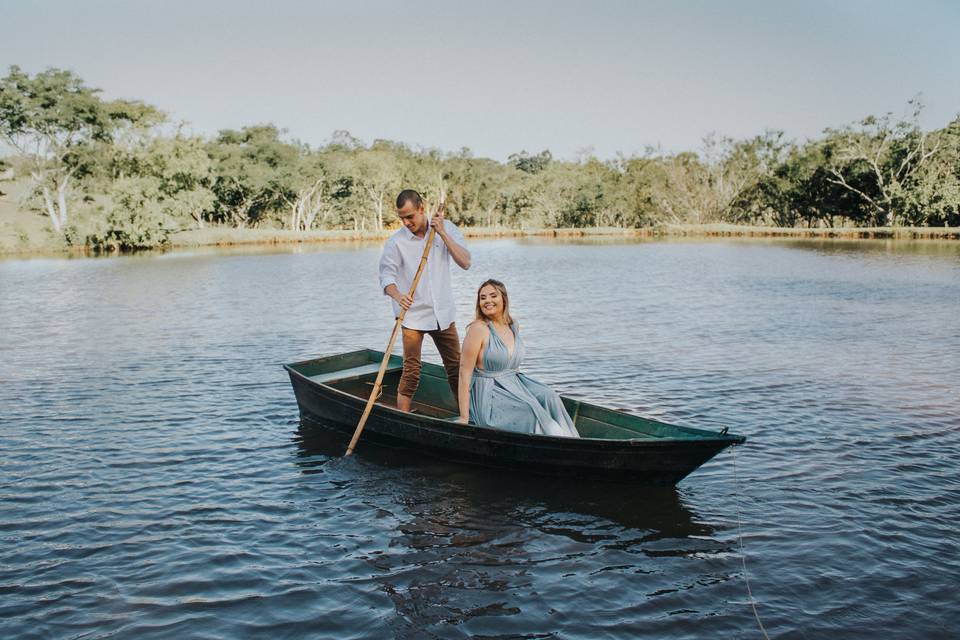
500 77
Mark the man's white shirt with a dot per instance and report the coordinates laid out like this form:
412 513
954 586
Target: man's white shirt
433 306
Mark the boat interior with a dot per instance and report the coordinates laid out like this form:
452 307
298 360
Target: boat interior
355 373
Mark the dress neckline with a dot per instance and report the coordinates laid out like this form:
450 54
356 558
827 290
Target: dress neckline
494 331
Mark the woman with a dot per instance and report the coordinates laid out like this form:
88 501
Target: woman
492 392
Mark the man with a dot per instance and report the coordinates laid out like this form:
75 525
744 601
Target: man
431 310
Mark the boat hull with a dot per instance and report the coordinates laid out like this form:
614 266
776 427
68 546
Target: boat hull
650 461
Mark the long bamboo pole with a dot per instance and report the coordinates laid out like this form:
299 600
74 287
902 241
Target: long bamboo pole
393 337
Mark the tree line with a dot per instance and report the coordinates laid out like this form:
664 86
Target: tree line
117 174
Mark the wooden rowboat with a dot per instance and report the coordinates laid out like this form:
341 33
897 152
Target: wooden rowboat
616 446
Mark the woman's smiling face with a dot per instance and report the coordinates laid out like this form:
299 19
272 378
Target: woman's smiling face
490 301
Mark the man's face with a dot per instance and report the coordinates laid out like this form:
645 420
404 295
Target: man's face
412 217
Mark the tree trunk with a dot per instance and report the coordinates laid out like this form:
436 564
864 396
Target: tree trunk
51 210
308 205
62 201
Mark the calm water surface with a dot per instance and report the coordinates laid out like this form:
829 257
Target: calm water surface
155 482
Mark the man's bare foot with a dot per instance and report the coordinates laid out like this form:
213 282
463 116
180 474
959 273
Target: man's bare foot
404 402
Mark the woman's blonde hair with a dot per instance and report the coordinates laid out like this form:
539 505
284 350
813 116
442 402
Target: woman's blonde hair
499 286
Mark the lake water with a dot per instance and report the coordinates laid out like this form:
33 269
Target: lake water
155 483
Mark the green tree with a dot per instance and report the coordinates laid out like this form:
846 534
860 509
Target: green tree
879 158
931 194
183 170
377 173
531 163
254 174
474 188
798 190
135 217
53 120
313 203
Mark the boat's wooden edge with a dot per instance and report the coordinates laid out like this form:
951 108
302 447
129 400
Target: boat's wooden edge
355 352
700 434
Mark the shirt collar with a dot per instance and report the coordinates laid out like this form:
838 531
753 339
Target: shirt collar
412 235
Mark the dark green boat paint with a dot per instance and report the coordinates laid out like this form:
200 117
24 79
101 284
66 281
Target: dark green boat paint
616 446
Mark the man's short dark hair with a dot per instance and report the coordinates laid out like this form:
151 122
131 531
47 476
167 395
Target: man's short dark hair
411 196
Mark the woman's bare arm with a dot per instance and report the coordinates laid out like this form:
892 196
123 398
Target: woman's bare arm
472 343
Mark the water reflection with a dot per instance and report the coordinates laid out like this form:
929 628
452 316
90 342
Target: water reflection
495 552
530 500
855 247
876 247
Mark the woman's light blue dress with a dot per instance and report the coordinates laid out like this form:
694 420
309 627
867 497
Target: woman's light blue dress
502 397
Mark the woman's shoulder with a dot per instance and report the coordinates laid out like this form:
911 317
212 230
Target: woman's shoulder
478 326
477 334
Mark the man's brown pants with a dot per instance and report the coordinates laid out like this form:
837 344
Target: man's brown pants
448 344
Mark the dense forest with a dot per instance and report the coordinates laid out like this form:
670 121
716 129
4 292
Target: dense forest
117 174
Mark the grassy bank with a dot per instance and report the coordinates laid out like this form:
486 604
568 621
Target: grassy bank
24 231
224 236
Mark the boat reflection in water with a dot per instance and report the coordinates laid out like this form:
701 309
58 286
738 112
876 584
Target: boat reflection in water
498 550
659 511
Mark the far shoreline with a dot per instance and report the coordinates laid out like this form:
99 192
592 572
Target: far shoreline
214 237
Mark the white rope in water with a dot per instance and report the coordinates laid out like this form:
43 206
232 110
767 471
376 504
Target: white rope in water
743 557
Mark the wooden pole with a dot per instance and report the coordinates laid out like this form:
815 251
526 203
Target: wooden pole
393 338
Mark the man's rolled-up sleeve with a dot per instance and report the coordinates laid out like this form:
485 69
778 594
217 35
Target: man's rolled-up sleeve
389 265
